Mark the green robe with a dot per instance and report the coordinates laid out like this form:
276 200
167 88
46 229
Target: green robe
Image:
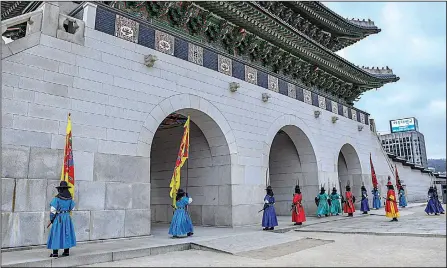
323 206
335 204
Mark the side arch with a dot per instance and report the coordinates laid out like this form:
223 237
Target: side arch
349 168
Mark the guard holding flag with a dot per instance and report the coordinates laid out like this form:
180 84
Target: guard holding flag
181 223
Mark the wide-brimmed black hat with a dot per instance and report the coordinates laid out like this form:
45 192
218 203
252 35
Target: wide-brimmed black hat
63 184
180 191
269 188
334 189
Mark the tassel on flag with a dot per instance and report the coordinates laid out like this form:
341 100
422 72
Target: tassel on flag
373 172
182 156
68 165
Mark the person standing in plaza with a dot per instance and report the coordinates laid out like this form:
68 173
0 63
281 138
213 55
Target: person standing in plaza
376 198
391 209
364 205
181 223
269 219
348 203
322 202
437 201
298 215
62 234
402 197
431 207
335 202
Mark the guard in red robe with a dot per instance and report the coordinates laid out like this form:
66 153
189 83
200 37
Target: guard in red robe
298 215
391 209
348 203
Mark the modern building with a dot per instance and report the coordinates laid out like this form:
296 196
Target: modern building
269 100
405 141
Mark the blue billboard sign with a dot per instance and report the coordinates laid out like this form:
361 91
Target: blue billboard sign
402 125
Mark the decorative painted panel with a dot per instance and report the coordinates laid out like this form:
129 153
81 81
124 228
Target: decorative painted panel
164 42
328 105
105 21
307 96
238 70
334 107
251 75
314 99
181 48
283 87
345 111
126 29
362 118
225 65
299 93
263 80
291 90
322 102
209 59
354 114
195 54
146 37
273 83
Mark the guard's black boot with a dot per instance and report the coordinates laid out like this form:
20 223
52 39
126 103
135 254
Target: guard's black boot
189 234
66 252
365 212
55 254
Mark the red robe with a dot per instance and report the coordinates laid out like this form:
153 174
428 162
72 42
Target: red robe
391 205
298 210
348 206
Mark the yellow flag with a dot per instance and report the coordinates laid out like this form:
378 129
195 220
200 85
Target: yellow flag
183 154
68 164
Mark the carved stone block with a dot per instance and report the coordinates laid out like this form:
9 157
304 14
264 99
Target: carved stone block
362 118
345 111
126 29
354 114
307 96
224 65
334 107
322 102
291 90
195 54
251 75
273 83
164 42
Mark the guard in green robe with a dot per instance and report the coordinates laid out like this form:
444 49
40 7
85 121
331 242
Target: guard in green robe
335 202
322 202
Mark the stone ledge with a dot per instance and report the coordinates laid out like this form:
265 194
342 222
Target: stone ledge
377 233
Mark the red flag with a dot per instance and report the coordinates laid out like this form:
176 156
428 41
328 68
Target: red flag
397 179
373 172
68 165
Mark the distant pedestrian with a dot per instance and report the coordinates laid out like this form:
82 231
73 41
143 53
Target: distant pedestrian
322 201
437 202
62 234
391 210
348 202
335 202
269 219
298 215
432 207
402 197
364 205
181 223
376 198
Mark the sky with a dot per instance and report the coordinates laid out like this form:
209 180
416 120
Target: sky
413 44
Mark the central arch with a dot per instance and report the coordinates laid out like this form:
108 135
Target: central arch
349 169
207 174
291 158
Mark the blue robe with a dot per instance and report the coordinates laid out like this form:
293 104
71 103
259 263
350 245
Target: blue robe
335 204
431 207
181 223
364 205
269 219
323 205
62 234
438 203
402 198
376 199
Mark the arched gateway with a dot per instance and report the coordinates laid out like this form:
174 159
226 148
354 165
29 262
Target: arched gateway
291 159
349 169
207 173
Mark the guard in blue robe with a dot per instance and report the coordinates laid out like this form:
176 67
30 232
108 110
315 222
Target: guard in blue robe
437 201
376 198
335 202
431 207
181 223
269 219
402 197
322 202
364 204
62 234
